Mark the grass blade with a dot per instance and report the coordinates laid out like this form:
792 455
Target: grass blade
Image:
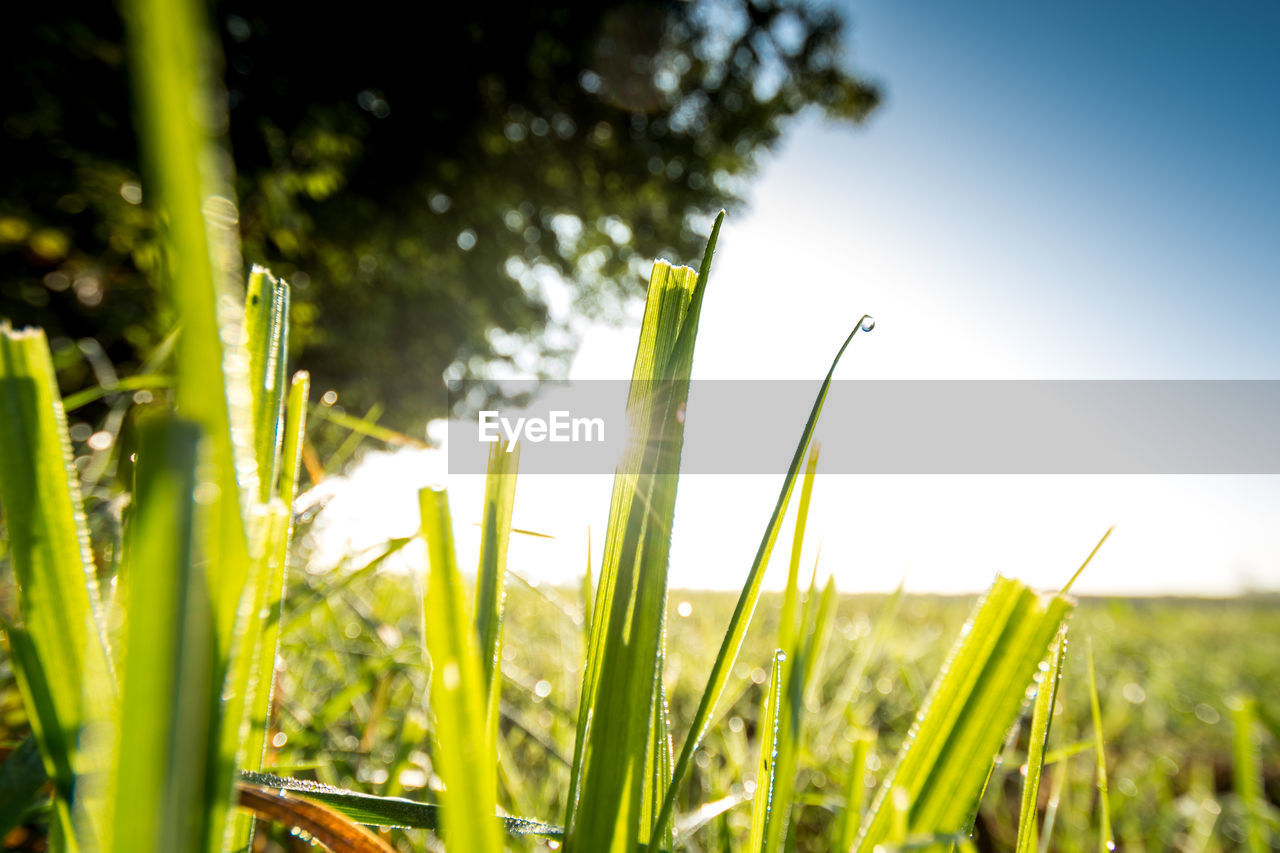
1106 840
324 825
168 655
464 748
614 761
59 652
294 432
786 623
170 51
387 811
1247 776
266 323
747 600
766 766
943 765
499 498
1041 717
846 826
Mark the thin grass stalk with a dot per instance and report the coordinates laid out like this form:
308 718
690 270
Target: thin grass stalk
1247 775
294 432
495 523
267 330
463 747
855 794
59 651
610 771
1106 840
766 765
1041 717
161 765
747 601
186 173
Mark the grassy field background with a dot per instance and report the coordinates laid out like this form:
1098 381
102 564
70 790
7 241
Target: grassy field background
1172 676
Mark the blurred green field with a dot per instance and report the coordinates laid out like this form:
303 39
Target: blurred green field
353 709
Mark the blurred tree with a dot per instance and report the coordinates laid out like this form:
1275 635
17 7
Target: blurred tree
448 194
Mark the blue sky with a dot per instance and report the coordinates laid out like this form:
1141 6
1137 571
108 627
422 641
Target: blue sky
1079 190
1109 171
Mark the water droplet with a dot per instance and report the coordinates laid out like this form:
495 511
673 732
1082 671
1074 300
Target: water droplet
868 323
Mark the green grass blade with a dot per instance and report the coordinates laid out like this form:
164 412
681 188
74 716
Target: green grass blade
587 593
1041 716
388 811
266 321
352 442
612 752
1247 776
610 767
747 600
786 623
796 667
820 632
657 759
365 427
241 737
170 52
945 760
129 384
1087 560
464 749
1106 840
168 655
295 435
1056 787
766 765
169 49
855 794
294 431
59 651
499 499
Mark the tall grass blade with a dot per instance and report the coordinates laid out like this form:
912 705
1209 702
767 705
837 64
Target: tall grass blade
241 735
614 751
855 793
178 123
1247 776
294 432
59 651
386 811
266 324
464 750
766 766
747 600
796 639
1056 786
1041 717
185 171
499 498
946 758
1106 840
791 593
586 592
163 731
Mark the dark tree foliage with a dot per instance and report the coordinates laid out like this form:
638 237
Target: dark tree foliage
450 188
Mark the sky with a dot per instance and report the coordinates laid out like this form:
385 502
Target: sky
1049 191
